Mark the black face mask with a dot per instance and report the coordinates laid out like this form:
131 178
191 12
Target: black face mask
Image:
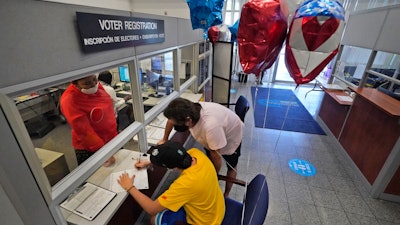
181 128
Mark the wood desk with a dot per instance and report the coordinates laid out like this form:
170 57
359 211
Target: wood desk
36 104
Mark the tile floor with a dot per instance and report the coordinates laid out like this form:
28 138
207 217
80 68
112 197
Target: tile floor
334 196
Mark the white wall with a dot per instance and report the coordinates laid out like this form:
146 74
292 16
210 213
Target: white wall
172 8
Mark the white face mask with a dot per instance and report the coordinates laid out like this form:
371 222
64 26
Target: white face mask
90 90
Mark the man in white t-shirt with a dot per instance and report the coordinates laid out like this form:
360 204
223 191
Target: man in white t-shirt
105 79
214 126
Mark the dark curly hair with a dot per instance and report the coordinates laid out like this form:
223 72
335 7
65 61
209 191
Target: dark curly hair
179 109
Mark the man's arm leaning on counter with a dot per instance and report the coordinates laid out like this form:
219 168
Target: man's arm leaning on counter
168 128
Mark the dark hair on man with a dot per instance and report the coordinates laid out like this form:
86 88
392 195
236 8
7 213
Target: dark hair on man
106 77
179 109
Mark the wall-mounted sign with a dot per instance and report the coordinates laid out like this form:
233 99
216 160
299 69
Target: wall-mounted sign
104 32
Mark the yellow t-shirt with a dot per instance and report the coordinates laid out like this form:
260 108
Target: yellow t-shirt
197 191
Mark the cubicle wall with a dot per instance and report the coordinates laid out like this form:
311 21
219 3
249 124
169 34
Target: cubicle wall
374 29
41 39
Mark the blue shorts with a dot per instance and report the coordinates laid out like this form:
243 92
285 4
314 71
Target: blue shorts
168 217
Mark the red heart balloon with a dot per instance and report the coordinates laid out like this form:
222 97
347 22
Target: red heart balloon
311 44
315 33
213 33
261 33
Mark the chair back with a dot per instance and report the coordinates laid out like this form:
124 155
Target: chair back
256 201
241 107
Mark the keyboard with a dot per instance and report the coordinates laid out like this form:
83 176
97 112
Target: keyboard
123 94
131 101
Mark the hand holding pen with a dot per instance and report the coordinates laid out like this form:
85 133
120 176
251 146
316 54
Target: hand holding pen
142 163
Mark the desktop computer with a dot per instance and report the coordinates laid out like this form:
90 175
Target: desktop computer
39 128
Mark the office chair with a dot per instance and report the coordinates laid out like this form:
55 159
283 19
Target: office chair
242 105
254 208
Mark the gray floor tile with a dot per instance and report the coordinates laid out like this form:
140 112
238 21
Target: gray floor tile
278 212
319 180
330 216
298 193
354 204
384 210
356 219
303 214
343 185
325 198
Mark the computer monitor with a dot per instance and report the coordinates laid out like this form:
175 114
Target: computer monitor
156 64
152 79
141 76
124 74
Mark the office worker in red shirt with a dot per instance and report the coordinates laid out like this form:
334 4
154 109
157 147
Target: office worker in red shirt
89 111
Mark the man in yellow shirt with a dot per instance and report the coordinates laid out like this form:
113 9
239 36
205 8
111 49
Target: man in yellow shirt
194 197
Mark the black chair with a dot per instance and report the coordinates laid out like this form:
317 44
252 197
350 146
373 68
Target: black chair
253 210
390 93
242 105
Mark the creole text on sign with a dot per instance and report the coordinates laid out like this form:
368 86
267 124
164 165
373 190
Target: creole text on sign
104 32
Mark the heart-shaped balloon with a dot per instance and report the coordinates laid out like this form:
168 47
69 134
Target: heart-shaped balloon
213 33
313 39
318 32
219 33
262 31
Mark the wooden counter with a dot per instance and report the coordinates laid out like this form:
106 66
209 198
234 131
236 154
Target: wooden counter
386 103
333 110
369 136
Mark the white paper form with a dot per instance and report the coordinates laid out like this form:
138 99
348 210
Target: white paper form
344 98
141 179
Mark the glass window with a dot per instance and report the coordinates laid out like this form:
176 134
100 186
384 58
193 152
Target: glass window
237 5
203 70
157 78
229 5
386 65
58 132
185 69
236 16
352 64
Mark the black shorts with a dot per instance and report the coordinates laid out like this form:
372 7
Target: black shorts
82 155
231 160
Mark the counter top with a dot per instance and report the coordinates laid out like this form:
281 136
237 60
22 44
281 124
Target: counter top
339 95
381 100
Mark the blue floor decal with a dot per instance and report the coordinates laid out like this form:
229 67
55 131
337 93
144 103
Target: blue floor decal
302 167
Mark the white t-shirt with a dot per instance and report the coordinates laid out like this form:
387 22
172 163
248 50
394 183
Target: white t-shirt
118 102
218 128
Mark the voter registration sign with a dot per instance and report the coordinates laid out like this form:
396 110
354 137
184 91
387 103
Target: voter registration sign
100 32
302 167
